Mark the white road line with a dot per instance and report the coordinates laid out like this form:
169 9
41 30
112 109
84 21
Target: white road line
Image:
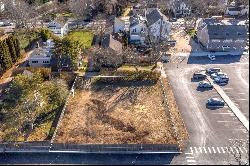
189 157
209 150
191 161
236 149
245 149
227 150
223 151
196 150
227 88
227 122
231 149
241 93
205 149
241 99
214 149
218 149
224 113
241 150
192 151
200 149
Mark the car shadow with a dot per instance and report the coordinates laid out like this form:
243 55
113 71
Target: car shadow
213 107
197 80
203 89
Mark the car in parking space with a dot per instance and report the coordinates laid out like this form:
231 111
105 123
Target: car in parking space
213 70
200 75
221 81
211 57
219 74
215 102
205 84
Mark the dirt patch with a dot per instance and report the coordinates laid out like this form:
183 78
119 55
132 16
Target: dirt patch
115 114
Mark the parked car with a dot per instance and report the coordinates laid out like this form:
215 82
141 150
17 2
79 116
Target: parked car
205 84
165 59
215 102
200 75
211 57
219 74
219 80
213 70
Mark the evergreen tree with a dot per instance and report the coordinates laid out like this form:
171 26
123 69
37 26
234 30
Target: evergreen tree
17 46
5 55
12 50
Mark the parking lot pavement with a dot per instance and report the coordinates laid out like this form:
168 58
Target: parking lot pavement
207 128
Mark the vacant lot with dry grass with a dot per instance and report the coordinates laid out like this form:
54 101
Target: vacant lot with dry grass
119 113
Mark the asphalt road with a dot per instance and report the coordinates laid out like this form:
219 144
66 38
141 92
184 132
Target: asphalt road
211 131
93 159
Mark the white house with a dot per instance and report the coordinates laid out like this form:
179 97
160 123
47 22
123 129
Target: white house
40 58
137 30
58 28
180 7
119 25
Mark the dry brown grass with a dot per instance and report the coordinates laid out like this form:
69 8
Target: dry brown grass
112 114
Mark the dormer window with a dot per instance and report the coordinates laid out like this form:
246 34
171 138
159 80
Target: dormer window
216 34
239 34
227 34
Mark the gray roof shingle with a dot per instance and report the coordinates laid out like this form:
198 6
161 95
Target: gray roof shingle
227 31
154 16
109 42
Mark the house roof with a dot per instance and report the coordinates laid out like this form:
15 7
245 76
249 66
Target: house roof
154 16
40 53
227 31
109 42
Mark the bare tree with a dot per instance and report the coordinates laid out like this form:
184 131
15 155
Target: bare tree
20 12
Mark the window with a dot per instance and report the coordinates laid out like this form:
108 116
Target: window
134 30
34 61
227 41
227 33
45 61
215 33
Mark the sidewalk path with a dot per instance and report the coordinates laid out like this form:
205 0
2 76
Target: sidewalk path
230 104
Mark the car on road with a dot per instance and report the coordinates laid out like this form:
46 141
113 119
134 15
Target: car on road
165 59
200 75
213 70
215 102
205 84
211 57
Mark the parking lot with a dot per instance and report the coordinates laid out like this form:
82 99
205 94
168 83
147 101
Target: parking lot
210 128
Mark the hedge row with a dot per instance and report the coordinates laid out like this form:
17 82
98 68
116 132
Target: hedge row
9 53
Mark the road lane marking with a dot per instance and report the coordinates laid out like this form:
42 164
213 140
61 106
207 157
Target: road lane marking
241 150
231 149
236 149
196 150
241 93
241 99
189 157
223 151
214 149
245 149
191 161
200 149
227 122
205 149
224 113
209 150
218 149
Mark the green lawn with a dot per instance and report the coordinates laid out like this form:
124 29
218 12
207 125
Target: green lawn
84 37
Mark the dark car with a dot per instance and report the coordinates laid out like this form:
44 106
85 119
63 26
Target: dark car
213 70
215 102
199 75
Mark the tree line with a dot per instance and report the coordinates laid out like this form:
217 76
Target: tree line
9 53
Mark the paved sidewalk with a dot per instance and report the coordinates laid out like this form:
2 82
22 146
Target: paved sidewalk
230 104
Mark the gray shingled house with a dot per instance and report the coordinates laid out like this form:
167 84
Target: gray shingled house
218 36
